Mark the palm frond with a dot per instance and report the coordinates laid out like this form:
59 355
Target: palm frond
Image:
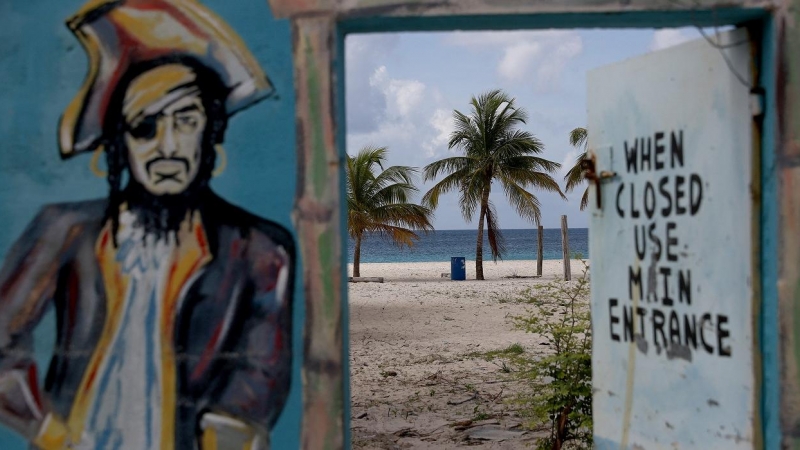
405 214
396 174
529 178
585 199
517 143
575 176
379 201
494 148
524 203
402 237
497 242
529 163
471 191
447 184
578 137
451 165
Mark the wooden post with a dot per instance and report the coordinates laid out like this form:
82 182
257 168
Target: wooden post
539 255
565 248
317 221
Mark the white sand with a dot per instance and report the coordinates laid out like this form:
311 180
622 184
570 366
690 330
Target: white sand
551 269
423 327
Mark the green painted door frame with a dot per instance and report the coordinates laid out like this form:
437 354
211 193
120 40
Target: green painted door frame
319 29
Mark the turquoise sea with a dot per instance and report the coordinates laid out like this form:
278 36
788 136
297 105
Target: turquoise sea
440 245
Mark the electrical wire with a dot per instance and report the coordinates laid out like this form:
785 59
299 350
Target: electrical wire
717 45
721 48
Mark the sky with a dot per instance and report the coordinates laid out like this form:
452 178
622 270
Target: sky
401 90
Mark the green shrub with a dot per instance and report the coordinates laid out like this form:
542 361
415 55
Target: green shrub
560 394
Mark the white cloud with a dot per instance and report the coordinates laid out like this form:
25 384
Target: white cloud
402 96
568 161
412 113
669 37
442 122
414 121
552 68
363 53
498 38
517 59
539 57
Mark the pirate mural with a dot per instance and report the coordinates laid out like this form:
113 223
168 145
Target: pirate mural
173 306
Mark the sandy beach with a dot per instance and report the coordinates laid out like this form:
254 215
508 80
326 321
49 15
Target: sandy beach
420 376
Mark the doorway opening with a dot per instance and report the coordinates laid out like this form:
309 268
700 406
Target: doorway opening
435 361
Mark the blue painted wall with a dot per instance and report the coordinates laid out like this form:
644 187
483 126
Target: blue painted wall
43 66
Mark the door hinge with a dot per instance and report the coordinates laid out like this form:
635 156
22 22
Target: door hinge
757 101
589 173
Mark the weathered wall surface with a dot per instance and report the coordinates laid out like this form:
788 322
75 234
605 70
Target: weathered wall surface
788 169
780 219
401 8
283 168
162 308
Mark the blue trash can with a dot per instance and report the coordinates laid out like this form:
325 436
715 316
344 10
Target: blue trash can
458 268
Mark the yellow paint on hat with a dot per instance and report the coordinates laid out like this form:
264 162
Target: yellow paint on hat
154 29
156 87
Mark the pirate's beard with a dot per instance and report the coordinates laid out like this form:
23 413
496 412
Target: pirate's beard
162 215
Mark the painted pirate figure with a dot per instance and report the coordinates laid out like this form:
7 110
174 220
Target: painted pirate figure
173 306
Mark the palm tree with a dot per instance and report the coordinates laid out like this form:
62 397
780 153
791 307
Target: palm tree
494 150
578 139
378 202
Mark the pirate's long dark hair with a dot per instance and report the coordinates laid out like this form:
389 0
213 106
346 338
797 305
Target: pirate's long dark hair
160 214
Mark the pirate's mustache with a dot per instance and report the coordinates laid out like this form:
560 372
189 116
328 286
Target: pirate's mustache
150 163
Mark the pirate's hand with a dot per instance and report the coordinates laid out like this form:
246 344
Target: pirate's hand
226 432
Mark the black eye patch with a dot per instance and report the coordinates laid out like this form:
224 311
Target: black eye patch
145 129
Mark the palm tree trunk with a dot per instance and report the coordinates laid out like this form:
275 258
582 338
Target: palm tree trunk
357 257
479 247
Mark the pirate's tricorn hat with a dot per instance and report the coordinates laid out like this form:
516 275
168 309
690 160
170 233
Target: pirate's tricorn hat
117 34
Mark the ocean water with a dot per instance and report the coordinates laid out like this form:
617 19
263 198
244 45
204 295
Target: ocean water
440 245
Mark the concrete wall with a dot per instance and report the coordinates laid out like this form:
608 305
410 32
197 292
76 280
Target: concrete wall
227 340
285 164
325 22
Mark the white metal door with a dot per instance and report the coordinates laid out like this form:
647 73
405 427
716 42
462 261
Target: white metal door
672 249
